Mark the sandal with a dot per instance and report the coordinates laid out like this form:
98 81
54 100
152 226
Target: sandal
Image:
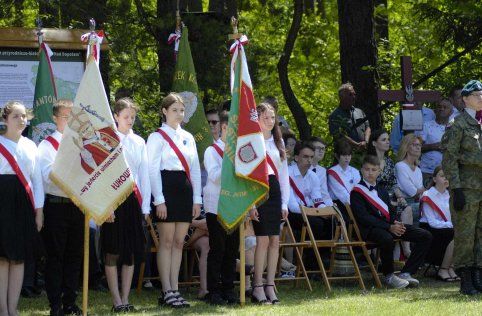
274 301
453 274
118 309
130 308
169 299
256 300
180 299
445 279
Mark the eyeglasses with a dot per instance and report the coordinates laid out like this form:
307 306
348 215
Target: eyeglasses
319 148
416 145
213 122
62 116
476 94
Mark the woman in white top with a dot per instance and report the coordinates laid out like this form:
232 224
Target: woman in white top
21 204
175 178
409 176
267 217
122 237
435 210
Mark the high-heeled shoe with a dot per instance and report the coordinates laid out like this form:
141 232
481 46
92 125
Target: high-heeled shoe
273 301
256 300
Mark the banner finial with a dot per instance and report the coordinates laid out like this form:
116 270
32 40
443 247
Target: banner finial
234 25
38 29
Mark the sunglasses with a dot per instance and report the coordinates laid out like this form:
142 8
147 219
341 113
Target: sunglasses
213 122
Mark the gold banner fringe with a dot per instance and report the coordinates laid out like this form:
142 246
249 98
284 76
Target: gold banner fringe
98 219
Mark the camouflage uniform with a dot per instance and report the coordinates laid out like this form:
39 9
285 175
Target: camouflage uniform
462 165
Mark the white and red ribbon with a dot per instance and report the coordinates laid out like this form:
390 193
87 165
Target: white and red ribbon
234 49
98 38
175 38
239 43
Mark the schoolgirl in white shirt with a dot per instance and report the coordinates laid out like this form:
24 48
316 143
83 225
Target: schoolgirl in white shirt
435 210
21 203
122 237
267 217
175 178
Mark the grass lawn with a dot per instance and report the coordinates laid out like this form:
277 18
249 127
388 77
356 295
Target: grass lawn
431 298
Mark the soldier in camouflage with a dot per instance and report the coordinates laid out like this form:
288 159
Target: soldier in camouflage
462 164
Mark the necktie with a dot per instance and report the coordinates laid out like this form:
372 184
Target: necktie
371 188
314 170
478 116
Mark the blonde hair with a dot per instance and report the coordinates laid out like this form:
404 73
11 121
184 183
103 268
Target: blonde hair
407 140
61 103
8 109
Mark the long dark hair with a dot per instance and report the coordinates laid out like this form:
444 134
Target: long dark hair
278 140
373 138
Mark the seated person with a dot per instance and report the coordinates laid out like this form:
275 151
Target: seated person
289 139
436 218
305 190
319 145
342 177
378 223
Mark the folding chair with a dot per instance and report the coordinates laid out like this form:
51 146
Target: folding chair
339 239
301 273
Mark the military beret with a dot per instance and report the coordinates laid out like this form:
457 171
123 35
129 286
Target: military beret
472 85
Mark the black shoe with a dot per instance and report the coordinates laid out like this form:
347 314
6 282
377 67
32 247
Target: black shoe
118 309
56 311
215 299
72 310
477 278
130 308
466 283
230 297
29 292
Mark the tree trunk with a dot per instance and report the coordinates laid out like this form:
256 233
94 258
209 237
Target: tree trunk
293 104
358 54
228 8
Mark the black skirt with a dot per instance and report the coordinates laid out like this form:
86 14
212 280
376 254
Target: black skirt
17 221
270 211
441 239
125 236
178 195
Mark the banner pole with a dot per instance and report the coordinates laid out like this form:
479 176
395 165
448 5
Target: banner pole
242 265
85 283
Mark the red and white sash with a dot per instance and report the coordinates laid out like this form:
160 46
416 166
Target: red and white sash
298 192
218 150
272 165
178 153
373 199
428 200
13 163
55 144
337 177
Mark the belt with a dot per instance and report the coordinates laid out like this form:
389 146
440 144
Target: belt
58 199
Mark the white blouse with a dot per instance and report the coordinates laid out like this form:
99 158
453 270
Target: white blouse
47 154
350 178
162 157
136 156
26 154
213 163
431 216
409 181
321 174
282 168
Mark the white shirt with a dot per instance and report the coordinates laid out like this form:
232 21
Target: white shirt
432 133
162 157
25 153
321 174
350 177
431 216
47 153
409 181
213 163
308 185
136 156
282 168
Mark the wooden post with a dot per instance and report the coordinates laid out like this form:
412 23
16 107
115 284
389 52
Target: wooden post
85 283
242 265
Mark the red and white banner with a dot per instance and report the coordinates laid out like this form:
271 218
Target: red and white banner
90 166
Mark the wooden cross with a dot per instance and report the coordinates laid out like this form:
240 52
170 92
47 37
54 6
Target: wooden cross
407 94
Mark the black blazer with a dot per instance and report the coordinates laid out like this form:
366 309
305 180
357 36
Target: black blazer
366 214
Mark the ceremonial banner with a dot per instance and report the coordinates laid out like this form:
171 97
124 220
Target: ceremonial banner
90 166
244 177
45 96
185 83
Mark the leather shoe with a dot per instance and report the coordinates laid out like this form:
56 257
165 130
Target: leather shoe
477 278
72 310
466 284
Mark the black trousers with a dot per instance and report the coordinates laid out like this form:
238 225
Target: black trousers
321 230
223 251
63 235
384 240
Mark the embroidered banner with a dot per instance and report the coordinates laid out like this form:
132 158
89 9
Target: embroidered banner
90 166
